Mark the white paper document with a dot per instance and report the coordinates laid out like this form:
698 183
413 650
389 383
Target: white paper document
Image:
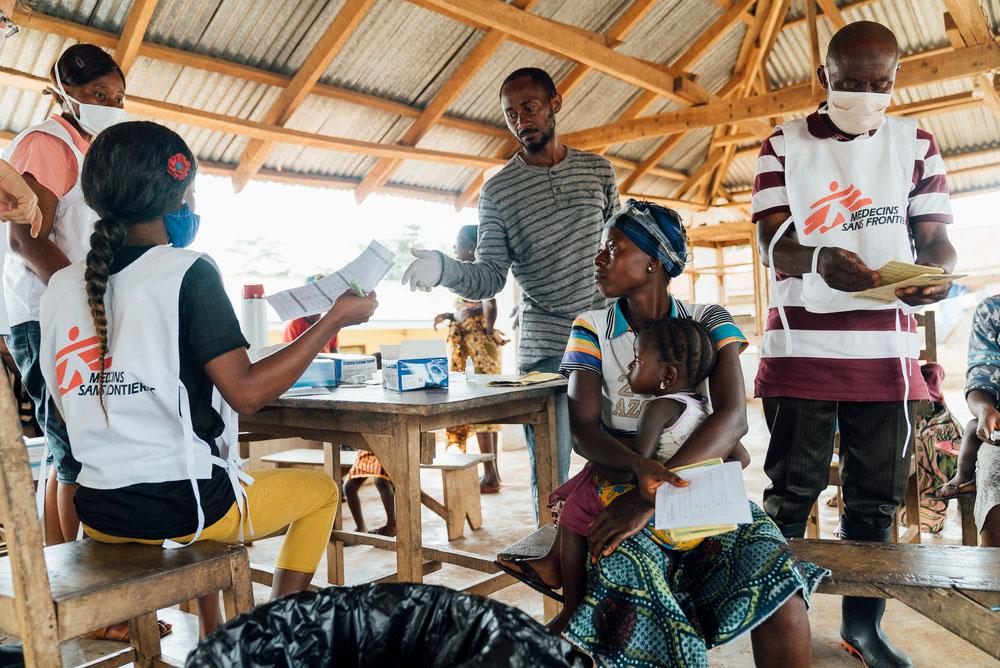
714 495
365 271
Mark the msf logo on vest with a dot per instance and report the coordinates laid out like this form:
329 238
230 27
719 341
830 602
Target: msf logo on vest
850 210
79 362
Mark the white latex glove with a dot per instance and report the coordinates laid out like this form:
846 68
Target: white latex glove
18 202
424 272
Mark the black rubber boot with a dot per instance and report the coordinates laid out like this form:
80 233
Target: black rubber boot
860 626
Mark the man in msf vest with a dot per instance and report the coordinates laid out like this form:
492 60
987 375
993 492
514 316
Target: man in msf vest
840 193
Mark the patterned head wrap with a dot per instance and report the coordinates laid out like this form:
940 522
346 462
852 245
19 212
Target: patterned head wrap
656 230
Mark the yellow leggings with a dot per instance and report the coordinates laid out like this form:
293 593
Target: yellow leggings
304 501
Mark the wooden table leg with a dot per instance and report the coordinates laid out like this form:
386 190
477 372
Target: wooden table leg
334 549
402 460
546 462
546 459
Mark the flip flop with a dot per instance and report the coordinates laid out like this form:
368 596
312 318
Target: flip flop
964 489
120 632
384 531
529 577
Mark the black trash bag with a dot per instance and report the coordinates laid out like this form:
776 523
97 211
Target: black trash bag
384 625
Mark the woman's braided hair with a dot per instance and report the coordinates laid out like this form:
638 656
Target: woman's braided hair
683 341
125 180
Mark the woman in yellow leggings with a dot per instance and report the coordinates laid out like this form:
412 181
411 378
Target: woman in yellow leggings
135 342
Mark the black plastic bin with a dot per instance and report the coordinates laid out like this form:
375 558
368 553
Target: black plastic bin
385 625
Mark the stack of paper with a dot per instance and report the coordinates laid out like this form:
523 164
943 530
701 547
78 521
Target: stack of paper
895 275
364 272
713 502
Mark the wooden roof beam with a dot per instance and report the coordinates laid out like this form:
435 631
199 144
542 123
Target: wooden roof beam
989 87
164 111
595 37
81 33
557 37
921 71
301 85
139 16
720 27
832 12
701 173
814 61
970 21
672 202
382 170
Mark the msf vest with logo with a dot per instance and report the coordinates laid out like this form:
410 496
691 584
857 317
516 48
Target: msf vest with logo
852 195
147 436
74 223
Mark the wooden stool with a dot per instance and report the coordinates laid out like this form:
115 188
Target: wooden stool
460 478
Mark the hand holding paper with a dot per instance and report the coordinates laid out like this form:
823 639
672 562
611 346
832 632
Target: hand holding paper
361 274
896 276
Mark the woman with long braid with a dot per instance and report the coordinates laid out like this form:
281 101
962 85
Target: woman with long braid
160 342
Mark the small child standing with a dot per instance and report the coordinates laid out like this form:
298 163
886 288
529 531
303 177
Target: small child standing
367 466
672 357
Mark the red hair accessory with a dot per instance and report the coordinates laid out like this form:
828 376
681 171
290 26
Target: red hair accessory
178 166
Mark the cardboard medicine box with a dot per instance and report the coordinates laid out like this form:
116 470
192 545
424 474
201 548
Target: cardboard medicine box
415 365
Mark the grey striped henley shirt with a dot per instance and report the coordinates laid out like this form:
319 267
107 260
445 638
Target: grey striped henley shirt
544 224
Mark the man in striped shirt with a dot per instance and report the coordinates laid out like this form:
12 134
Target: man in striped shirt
540 217
856 190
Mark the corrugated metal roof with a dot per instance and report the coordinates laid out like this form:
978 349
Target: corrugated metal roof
406 53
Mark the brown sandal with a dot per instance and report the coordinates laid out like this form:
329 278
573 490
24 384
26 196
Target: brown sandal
120 632
964 489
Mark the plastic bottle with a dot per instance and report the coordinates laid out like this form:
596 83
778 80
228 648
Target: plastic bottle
470 371
253 319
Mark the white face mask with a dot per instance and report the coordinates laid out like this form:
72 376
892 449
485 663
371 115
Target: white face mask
93 118
857 113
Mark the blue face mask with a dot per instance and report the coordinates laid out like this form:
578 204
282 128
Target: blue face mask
182 226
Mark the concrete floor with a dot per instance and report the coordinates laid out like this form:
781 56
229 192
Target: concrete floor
508 517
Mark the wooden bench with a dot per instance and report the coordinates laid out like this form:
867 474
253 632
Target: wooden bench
460 479
309 458
955 586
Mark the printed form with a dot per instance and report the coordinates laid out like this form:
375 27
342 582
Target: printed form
365 271
714 495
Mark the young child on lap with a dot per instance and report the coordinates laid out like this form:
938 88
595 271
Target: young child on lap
672 357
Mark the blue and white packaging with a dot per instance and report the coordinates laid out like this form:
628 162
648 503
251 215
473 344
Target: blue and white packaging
415 365
320 373
353 368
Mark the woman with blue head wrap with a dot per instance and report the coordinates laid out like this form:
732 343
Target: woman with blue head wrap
644 605
656 230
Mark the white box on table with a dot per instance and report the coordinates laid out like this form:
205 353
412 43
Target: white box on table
350 367
415 365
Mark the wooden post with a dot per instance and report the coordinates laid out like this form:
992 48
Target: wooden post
720 263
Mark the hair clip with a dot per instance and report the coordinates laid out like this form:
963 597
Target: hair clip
178 166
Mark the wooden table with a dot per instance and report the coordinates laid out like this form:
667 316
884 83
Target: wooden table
394 427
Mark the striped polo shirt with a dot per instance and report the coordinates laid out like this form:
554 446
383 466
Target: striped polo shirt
544 224
851 355
602 342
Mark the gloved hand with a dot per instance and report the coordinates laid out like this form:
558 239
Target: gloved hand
18 203
424 272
